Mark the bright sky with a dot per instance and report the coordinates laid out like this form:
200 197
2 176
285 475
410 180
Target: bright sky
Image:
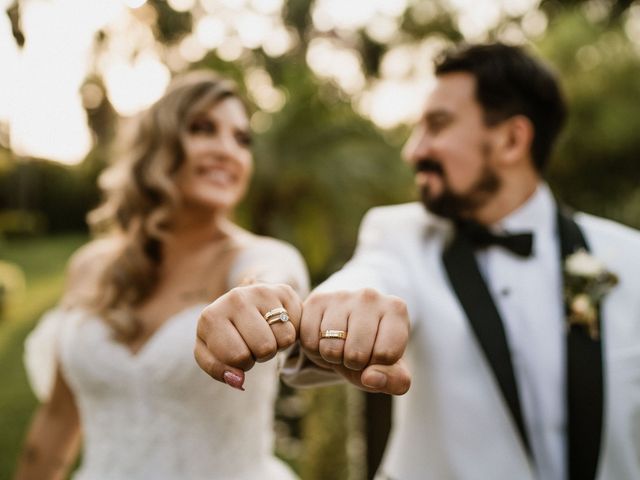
39 88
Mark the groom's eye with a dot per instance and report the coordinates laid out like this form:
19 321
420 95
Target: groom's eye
437 122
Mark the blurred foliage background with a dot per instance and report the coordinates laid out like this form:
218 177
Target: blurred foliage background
320 164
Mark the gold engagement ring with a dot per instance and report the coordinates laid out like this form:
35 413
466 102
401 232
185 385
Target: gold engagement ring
279 314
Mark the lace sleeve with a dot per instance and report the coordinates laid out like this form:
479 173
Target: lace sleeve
270 261
40 352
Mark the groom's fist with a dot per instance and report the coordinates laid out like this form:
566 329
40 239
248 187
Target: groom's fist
359 334
245 325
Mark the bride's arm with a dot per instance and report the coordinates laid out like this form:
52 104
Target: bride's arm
53 439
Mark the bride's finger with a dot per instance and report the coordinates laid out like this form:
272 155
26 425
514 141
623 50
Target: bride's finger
234 377
223 340
266 317
254 331
292 303
285 327
284 333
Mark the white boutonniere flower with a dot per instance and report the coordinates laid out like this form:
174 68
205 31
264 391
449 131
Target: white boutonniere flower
586 282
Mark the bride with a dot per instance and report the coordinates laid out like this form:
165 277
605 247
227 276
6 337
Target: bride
113 363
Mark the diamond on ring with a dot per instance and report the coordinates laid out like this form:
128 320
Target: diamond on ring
279 314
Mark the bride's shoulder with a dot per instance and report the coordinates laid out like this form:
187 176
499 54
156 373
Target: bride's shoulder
86 264
249 244
42 351
267 259
92 256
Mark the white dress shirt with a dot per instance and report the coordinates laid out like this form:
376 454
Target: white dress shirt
528 295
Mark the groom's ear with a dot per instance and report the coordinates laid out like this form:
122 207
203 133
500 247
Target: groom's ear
515 138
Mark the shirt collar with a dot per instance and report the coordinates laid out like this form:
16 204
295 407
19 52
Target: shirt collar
537 214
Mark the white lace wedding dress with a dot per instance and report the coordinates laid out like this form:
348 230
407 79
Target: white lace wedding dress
155 414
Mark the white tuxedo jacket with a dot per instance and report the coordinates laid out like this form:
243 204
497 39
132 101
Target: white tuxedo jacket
454 422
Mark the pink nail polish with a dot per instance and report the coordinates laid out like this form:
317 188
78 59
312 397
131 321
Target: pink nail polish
234 380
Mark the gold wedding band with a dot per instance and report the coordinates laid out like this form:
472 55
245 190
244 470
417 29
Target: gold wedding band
340 334
279 314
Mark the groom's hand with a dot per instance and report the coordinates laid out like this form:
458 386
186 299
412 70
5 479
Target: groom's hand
375 328
233 332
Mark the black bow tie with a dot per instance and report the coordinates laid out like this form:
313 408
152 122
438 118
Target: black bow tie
480 236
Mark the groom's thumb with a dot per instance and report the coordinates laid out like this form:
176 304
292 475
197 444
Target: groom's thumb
392 379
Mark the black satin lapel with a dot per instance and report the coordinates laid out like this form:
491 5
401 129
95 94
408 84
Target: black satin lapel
584 377
469 285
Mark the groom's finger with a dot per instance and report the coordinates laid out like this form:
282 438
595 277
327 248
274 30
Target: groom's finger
392 379
393 333
335 318
363 325
312 313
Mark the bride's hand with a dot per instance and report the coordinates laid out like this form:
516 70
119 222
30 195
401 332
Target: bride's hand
245 325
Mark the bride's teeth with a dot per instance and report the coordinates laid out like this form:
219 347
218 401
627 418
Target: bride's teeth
220 176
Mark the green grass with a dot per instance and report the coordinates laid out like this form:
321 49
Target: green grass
42 261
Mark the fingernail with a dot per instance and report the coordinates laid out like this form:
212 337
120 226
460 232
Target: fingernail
234 380
374 379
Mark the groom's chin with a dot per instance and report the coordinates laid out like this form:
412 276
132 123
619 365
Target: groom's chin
433 204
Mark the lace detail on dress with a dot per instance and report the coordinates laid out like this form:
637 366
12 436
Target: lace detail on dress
157 415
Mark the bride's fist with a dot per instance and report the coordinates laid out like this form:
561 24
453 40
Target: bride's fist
245 325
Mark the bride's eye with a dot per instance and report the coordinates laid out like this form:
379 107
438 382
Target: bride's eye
202 127
244 138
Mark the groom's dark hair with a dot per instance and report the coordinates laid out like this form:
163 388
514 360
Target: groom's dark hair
511 82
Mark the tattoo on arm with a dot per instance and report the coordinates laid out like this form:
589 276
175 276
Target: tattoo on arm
32 455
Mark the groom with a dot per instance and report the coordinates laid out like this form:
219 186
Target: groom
511 378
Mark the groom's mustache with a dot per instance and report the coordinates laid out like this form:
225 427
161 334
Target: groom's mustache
428 165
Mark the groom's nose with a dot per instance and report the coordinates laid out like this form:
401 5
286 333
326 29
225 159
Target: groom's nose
418 145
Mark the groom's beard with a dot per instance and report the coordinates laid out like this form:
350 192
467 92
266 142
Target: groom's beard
453 205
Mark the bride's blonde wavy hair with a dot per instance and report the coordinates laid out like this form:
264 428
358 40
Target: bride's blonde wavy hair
140 196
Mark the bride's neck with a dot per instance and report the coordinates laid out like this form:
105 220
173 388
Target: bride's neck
190 234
